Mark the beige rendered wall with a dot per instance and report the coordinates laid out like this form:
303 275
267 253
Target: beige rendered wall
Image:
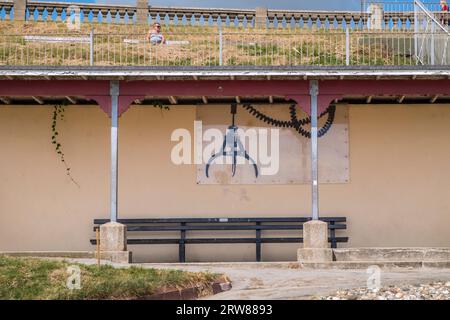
398 194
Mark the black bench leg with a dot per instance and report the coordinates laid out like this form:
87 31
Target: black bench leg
258 243
182 246
333 236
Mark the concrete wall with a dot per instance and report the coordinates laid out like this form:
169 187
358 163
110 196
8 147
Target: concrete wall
397 196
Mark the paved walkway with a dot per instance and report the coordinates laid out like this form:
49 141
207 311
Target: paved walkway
251 283
267 281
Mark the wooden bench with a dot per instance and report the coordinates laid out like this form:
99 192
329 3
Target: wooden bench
168 42
57 39
258 225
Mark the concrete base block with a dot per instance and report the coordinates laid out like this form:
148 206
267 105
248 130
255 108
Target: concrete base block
113 237
314 255
113 243
117 256
315 234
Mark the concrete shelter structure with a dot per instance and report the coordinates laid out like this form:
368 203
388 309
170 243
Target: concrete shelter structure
398 154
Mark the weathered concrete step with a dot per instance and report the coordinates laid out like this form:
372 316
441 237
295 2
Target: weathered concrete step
392 254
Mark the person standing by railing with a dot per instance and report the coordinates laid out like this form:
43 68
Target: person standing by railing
444 12
154 35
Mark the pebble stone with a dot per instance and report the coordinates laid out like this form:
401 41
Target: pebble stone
432 291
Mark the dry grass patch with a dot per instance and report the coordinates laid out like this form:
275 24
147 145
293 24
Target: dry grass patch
41 279
125 45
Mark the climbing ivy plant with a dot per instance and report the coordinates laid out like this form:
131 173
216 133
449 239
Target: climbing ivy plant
58 114
160 105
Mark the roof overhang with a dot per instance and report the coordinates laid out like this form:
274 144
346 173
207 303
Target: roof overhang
206 74
215 73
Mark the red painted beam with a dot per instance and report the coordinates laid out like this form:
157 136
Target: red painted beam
228 88
385 87
129 91
215 88
49 88
297 90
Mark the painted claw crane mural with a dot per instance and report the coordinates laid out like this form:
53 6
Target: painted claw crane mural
280 132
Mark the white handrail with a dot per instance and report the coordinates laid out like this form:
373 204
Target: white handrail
430 15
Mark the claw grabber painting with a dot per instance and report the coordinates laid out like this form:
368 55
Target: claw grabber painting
232 147
248 144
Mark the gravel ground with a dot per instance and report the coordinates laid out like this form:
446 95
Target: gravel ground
303 284
432 291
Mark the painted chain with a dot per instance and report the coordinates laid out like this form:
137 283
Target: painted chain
295 123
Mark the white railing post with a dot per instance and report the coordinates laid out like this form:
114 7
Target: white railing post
347 47
432 49
416 33
91 47
220 45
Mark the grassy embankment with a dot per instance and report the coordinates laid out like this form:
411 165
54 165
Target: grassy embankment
43 279
116 44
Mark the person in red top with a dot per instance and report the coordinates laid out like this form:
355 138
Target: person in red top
444 10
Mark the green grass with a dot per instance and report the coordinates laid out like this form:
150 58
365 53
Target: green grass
41 279
329 59
258 49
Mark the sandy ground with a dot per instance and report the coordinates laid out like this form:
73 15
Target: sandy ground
253 282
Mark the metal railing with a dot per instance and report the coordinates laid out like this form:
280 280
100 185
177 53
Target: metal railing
398 15
431 37
318 48
374 15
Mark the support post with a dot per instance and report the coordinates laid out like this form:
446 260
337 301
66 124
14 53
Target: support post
113 235
20 8
314 92
114 92
141 11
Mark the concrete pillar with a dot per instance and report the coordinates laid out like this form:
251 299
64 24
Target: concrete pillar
315 243
113 242
20 7
142 11
376 16
260 17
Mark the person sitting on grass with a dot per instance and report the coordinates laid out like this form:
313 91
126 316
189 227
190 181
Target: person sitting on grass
154 35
